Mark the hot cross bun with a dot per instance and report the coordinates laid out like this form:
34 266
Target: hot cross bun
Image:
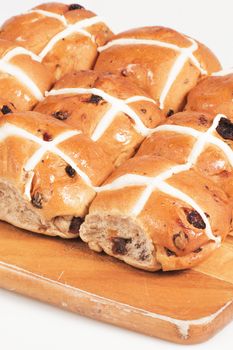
63 37
48 175
155 214
114 113
165 63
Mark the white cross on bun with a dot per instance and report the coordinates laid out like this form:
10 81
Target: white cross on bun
165 63
63 37
124 140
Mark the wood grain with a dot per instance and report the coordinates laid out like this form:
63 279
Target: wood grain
183 307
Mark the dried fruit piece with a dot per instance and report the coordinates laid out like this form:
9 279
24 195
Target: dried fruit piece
170 113
75 7
37 200
70 171
119 245
75 224
180 240
169 252
225 129
47 137
6 110
61 115
203 120
143 110
95 99
194 218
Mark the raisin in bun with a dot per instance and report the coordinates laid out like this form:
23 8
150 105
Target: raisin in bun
205 140
213 94
64 37
6 107
165 63
23 80
153 214
48 174
114 113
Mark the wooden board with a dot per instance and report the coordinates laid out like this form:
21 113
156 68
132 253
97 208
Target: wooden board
183 307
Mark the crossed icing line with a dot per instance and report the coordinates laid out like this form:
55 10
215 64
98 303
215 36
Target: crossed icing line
8 130
128 180
117 105
77 27
60 18
185 54
159 182
18 73
21 76
195 133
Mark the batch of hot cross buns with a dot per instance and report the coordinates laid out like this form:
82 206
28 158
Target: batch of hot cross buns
125 141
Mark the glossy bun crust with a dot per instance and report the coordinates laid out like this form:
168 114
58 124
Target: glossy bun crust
212 95
157 66
42 190
74 50
167 233
23 80
213 162
88 111
163 208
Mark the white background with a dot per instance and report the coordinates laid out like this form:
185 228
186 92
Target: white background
29 325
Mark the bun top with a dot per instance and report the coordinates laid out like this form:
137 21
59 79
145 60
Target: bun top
44 158
112 111
165 63
51 31
23 78
213 94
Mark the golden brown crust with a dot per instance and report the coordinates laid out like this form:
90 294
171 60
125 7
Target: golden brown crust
74 52
150 65
178 241
85 111
212 95
212 162
188 261
55 187
13 87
